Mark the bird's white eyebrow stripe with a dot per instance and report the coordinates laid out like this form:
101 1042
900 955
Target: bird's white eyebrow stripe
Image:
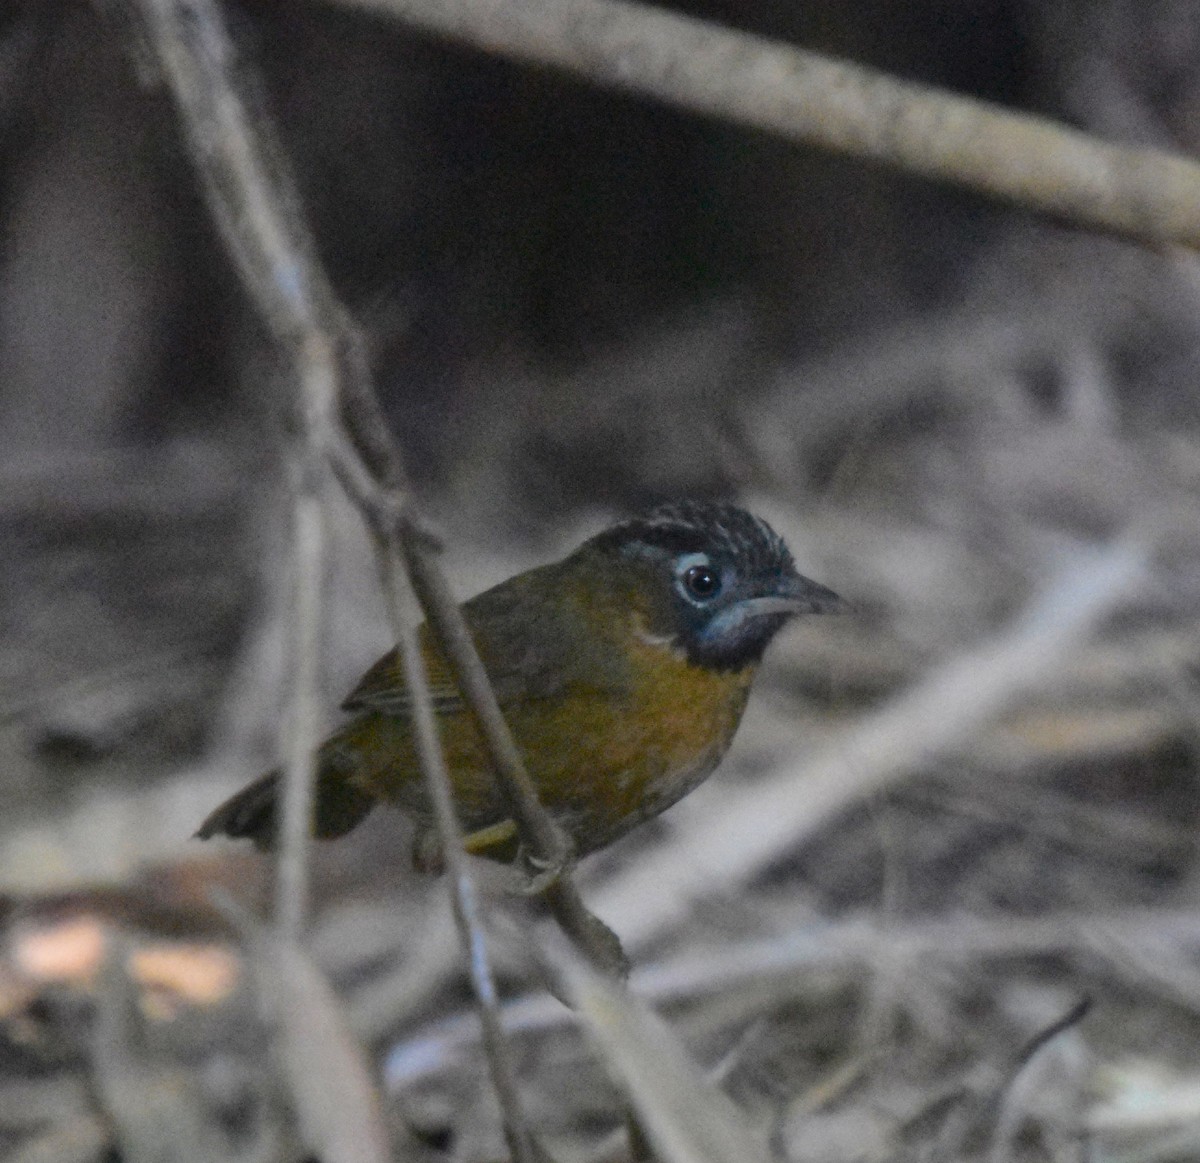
655 639
643 634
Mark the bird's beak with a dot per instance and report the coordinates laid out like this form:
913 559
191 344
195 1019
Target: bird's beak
797 595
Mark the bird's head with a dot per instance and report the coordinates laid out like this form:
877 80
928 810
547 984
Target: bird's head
709 579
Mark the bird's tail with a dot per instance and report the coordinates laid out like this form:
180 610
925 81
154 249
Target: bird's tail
253 812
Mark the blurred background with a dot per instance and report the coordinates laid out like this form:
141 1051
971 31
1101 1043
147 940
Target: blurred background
577 303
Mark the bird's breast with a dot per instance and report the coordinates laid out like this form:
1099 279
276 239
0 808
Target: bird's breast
607 764
603 756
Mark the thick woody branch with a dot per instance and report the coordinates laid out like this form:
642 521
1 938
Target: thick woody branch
1148 195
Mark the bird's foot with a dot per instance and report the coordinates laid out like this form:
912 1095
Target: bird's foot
541 872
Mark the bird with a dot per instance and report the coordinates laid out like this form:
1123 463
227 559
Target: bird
622 670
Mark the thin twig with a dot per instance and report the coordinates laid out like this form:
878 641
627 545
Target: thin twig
394 522
1148 195
463 897
1009 1105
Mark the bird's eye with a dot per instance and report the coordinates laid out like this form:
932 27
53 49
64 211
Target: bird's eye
701 582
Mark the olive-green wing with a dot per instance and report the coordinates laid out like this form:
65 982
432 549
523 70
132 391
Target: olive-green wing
383 687
530 649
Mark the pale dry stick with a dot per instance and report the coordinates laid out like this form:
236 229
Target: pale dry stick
720 851
681 1117
243 172
336 1104
300 729
548 849
1148 195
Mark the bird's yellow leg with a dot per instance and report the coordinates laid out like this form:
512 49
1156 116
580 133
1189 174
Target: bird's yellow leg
480 843
496 841
501 842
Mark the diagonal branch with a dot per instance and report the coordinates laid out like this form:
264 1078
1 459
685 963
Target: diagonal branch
1144 194
255 203
462 895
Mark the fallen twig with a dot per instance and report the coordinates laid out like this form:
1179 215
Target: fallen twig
780 965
